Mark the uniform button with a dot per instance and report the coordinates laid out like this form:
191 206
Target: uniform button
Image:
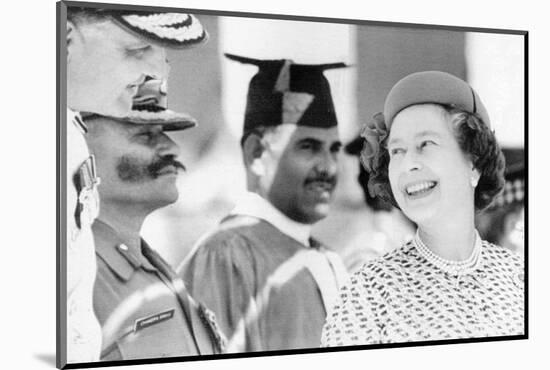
123 247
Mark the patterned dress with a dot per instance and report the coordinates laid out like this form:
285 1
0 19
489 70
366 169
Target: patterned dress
401 297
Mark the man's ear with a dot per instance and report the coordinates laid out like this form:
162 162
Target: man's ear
72 34
70 38
253 148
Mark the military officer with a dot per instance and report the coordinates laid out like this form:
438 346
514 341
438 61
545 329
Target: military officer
142 305
109 53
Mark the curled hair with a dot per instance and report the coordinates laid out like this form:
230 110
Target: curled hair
480 144
474 138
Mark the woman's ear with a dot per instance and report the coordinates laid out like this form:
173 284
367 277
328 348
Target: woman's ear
253 148
474 177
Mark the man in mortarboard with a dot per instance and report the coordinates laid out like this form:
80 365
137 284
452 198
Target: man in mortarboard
143 307
268 281
110 53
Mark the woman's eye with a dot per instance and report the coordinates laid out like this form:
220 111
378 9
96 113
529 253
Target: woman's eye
396 151
426 143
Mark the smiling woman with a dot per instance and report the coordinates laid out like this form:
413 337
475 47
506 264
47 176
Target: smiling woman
436 158
429 159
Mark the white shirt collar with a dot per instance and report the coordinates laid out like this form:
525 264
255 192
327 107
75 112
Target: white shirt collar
251 204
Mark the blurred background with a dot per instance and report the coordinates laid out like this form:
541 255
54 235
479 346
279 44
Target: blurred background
213 89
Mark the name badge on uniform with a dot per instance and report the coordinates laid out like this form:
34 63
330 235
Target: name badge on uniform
86 182
147 321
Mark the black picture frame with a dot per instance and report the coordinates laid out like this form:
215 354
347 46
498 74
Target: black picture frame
61 171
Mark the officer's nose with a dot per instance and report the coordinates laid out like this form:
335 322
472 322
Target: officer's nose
168 146
156 63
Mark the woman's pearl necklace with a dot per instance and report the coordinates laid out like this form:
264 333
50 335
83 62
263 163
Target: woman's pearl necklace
457 268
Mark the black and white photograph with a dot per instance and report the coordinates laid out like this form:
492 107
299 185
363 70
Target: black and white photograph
233 188
245 187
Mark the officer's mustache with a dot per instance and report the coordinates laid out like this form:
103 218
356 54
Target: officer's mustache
155 167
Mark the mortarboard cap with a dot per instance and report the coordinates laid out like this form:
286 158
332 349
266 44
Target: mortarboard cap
285 92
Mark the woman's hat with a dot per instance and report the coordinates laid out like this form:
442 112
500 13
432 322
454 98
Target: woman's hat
433 87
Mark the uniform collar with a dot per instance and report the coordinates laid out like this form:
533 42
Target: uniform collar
251 204
122 259
77 120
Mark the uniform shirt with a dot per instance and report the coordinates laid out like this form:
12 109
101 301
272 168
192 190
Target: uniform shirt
401 297
144 311
83 330
268 290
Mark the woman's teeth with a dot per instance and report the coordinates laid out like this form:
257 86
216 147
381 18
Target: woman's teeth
420 187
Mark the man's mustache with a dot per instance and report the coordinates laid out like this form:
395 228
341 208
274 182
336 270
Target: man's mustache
322 177
155 167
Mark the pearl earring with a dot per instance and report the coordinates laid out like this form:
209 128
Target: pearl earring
473 181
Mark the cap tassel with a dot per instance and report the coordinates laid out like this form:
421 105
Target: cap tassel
283 81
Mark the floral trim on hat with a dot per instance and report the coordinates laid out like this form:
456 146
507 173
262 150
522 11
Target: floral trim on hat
375 133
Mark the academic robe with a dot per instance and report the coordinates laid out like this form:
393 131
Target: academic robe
257 281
